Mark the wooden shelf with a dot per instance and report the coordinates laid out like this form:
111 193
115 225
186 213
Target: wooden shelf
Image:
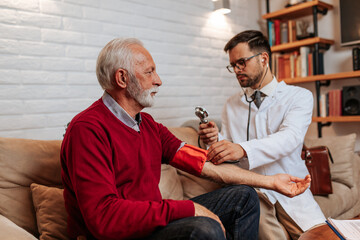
322 77
301 10
286 47
337 119
297 11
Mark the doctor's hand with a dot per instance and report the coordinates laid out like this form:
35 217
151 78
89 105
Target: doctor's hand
204 212
208 133
289 185
225 151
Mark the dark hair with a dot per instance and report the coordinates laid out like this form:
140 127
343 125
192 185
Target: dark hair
256 41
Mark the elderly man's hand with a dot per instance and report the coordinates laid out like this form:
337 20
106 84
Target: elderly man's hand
289 185
204 212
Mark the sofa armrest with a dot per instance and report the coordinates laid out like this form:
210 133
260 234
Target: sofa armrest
11 231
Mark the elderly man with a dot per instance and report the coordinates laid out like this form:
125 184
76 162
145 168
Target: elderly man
111 160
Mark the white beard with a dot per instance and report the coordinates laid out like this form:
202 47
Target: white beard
143 97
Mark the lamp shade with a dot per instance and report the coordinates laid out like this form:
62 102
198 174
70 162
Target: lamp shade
222 6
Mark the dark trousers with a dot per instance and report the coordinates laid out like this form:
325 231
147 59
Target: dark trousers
237 208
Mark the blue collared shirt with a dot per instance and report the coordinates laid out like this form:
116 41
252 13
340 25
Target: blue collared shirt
120 113
123 116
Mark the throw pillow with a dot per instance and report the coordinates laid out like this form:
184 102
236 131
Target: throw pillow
50 211
342 151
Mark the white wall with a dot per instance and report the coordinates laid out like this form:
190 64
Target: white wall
336 59
49 49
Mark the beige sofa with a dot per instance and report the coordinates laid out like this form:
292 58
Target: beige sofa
32 207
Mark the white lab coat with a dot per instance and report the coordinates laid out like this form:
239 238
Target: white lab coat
277 132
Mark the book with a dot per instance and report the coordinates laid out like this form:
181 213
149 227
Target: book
335 102
277 28
327 104
339 102
297 65
292 30
284 32
271 32
292 65
273 63
304 50
280 69
310 64
320 62
331 103
286 65
323 105
345 229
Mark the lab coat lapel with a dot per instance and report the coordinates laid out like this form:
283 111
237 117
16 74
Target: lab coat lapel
271 99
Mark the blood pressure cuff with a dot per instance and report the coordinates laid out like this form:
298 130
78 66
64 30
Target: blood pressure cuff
190 159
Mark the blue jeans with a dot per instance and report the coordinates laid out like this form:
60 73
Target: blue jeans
237 207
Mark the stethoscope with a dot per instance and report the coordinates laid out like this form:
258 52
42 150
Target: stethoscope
250 101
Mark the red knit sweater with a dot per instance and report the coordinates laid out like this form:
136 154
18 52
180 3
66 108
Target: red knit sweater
111 174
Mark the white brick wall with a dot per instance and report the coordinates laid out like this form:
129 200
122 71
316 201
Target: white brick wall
48 50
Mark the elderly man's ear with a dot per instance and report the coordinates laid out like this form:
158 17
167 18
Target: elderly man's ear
121 77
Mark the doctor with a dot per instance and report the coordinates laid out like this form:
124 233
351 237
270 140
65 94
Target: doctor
263 128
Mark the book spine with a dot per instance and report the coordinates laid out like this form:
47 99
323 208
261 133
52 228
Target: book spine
356 60
310 64
281 69
323 105
293 27
292 65
287 66
331 102
336 103
321 63
277 31
304 57
298 66
273 63
327 105
284 32
335 231
340 102
270 26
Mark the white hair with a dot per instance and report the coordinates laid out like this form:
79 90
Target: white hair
116 54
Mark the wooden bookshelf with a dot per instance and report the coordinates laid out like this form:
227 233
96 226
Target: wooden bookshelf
322 77
297 11
301 10
291 46
337 119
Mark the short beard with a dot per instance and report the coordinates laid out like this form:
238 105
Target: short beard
143 97
251 81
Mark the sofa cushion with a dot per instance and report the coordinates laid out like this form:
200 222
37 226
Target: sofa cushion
170 184
194 186
50 211
11 231
185 134
22 162
342 150
342 199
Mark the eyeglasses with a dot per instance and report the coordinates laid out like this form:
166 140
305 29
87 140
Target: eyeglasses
240 64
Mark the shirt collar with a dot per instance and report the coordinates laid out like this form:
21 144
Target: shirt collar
120 113
268 89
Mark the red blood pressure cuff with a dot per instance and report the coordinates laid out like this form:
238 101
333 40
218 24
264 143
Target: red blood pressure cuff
190 159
